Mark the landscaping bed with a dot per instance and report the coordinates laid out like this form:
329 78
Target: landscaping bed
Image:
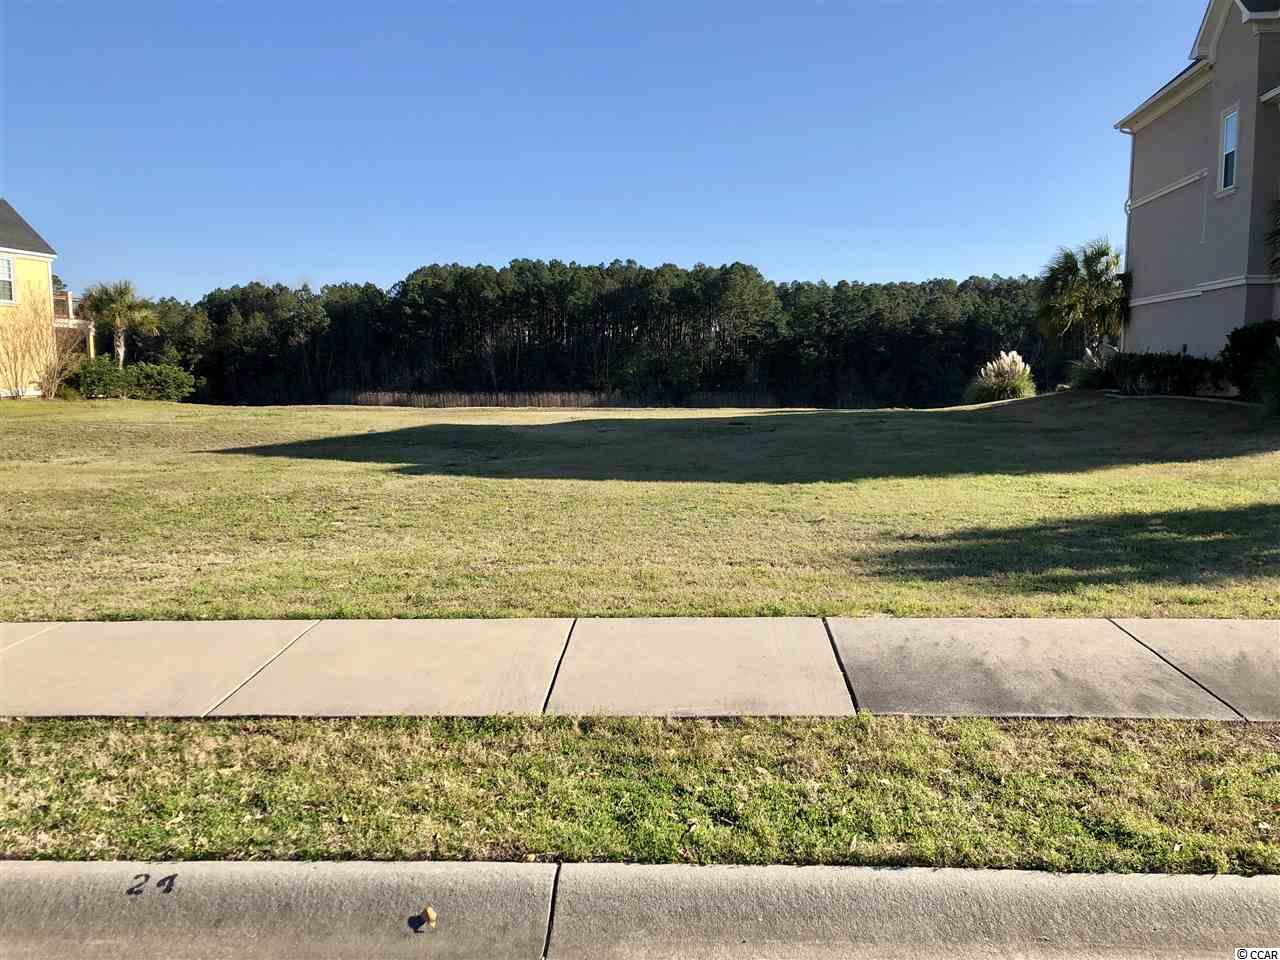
1091 795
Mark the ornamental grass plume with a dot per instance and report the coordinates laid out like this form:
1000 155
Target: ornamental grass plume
1007 377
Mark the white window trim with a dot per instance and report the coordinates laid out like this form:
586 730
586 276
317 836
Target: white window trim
13 280
1222 189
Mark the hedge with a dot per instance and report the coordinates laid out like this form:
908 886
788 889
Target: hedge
100 378
1177 374
1246 353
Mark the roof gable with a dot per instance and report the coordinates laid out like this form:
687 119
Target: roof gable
1215 17
17 234
1203 54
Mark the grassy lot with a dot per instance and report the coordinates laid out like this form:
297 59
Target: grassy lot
1062 506
1077 796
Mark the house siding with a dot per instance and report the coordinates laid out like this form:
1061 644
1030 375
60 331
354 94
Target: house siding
33 283
1199 324
1198 234
34 274
1266 158
1166 248
1234 87
1173 146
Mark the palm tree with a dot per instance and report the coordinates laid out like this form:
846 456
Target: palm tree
1084 290
117 306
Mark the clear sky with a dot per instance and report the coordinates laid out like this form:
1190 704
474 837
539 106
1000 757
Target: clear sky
193 145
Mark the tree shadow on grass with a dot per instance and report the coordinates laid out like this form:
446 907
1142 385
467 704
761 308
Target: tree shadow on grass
1058 433
1188 547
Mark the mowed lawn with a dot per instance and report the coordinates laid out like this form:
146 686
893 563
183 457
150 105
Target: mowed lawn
1080 795
1067 505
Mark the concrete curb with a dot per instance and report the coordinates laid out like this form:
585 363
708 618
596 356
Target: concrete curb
615 911
601 911
274 910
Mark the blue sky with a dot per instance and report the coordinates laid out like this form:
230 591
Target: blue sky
188 146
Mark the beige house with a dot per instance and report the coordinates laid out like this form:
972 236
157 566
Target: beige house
1204 184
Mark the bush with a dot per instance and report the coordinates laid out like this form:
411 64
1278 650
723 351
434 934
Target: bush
159 381
68 392
1093 372
101 378
1267 380
1165 374
1247 347
1007 377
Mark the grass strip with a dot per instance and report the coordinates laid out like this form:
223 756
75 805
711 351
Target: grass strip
1085 795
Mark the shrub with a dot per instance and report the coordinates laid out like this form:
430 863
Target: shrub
100 378
1007 377
1166 374
60 361
1244 353
1093 371
1267 380
68 392
24 344
159 381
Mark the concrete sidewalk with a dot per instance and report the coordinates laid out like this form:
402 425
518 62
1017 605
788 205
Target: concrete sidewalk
618 912
1206 669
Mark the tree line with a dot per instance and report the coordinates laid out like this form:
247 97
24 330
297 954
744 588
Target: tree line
646 334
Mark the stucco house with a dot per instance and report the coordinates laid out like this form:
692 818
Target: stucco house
1204 183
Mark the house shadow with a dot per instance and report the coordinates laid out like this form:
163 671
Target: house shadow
1200 547
1051 434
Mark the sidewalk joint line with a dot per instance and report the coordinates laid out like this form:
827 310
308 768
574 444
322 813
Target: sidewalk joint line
38 633
1221 700
554 676
551 911
270 660
848 684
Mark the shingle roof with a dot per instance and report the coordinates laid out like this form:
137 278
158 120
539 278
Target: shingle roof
17 234
1262 6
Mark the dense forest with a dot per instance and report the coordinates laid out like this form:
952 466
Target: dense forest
657 335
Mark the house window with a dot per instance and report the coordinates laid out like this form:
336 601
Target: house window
1230 134
6 279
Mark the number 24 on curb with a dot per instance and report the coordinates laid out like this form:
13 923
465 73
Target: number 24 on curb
164 884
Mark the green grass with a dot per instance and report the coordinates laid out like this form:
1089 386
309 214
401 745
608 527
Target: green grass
1066 505
1070 796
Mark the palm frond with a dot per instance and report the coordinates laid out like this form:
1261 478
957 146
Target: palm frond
117 306
1084 290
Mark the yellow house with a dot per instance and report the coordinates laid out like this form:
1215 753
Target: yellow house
26 304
